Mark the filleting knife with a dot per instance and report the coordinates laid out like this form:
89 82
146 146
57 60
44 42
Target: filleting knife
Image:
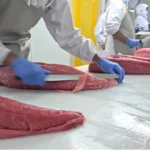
65 77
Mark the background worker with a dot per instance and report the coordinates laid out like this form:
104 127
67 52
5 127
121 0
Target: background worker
120 27
142 23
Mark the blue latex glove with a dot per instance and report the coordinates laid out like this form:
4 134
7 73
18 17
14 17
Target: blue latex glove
132 43
111 68
28 72
137 30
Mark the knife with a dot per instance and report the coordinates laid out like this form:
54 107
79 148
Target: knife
65 77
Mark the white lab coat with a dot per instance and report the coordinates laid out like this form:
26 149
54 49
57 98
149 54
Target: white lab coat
60 25
115 14
100 31
142 15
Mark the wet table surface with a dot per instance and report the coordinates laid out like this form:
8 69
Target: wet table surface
117 118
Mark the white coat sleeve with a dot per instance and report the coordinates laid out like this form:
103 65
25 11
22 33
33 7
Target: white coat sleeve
99 30
4 51
115 14
60 25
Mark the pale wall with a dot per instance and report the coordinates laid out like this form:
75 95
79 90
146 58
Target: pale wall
44 48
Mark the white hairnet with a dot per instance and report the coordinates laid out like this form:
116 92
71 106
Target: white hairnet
142 9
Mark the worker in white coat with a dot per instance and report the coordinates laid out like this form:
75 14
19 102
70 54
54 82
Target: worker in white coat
17 17
120 27
100 31
142 17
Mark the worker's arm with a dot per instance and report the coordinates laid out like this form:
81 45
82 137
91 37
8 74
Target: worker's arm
59 23
6 56
99 30
120 37
17 64
114 17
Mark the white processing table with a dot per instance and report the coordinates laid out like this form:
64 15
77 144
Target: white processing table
117 118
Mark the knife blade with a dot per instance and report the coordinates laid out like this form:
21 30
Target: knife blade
62 77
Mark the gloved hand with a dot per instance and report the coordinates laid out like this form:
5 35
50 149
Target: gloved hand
111 68
132 43
28 72
137 30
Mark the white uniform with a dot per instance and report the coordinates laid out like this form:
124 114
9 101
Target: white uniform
118 18
19 16
142 23
100 31
142 15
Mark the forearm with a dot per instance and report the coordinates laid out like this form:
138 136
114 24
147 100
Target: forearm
6 56
96 58
64 33
80 47
10 58
4 52
120 37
